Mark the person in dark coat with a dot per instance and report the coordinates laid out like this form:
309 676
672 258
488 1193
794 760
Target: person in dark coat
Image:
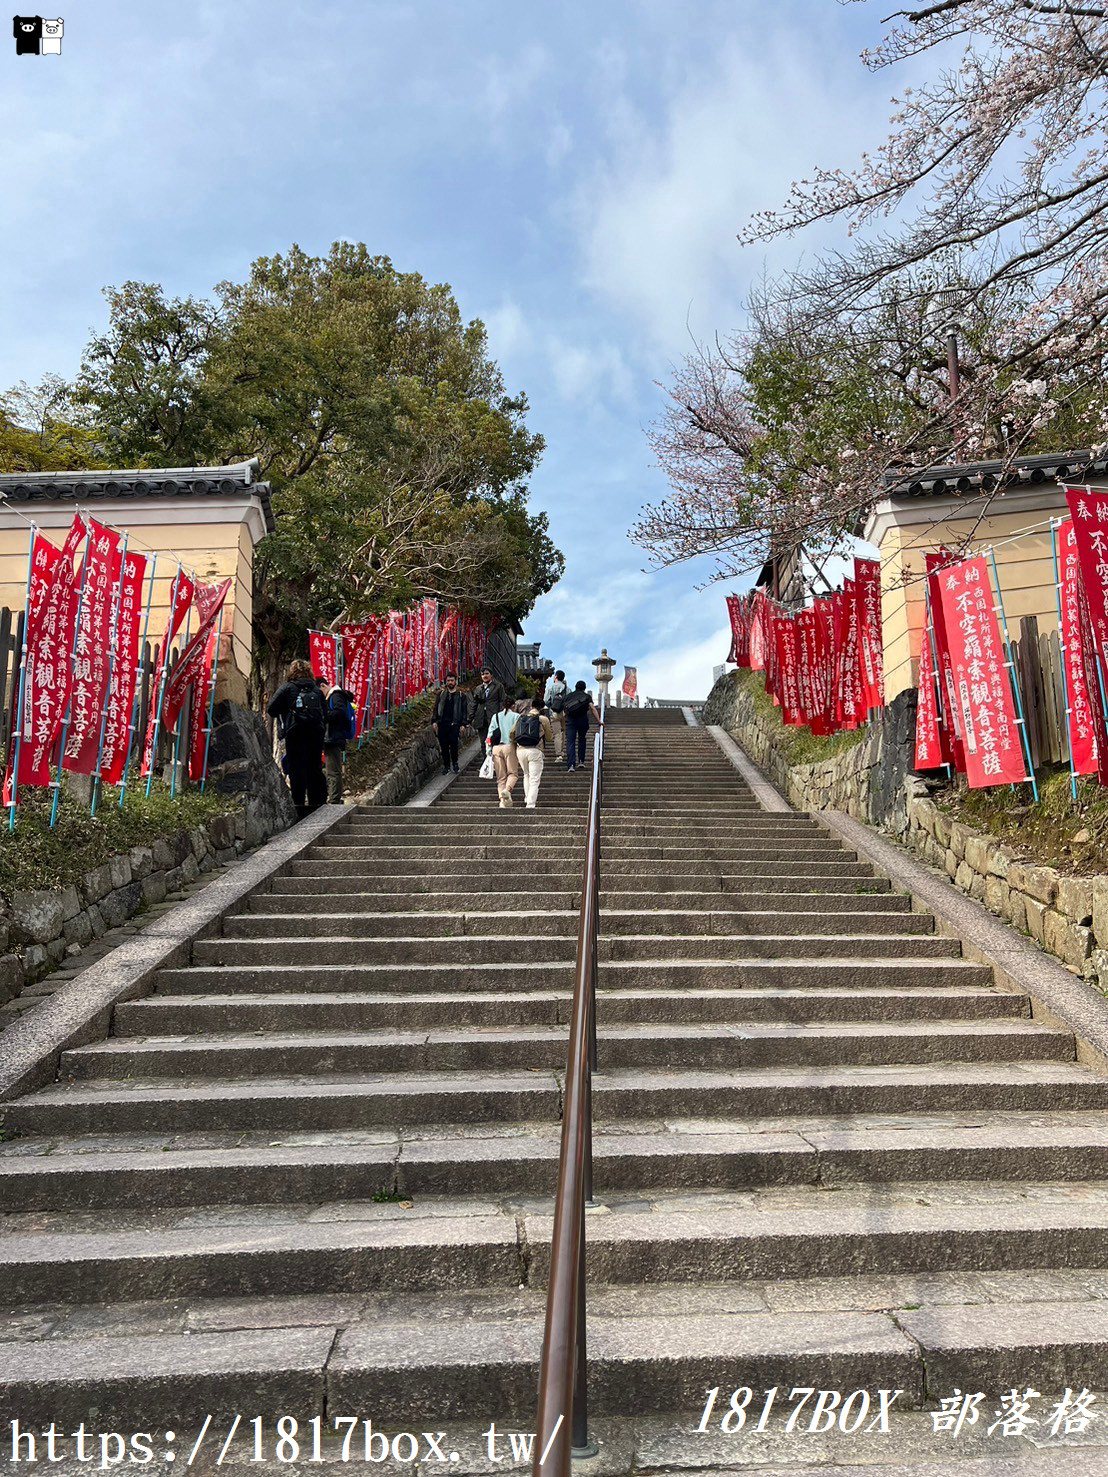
449 720
299 708
488 700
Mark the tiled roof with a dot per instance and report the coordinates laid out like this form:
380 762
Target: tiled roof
144 482
1024 471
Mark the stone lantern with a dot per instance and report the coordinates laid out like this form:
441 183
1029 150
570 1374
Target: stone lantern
605 665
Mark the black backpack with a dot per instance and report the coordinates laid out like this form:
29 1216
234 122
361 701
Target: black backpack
529 731
306 711
575 703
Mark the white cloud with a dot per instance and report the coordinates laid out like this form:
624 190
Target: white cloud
584 371
683 669
598 601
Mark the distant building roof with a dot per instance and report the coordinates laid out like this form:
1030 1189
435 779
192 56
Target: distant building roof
1023 471
141 482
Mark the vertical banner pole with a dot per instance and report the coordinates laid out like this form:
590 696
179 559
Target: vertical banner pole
111 671
69 704
1026 737
1054 527
177 741
161 684
22 680
211 700
138 679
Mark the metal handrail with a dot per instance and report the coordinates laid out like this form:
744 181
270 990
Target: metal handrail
562 1426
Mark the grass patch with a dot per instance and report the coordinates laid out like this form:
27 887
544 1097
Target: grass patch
1059 831
34 856
797 745
368 765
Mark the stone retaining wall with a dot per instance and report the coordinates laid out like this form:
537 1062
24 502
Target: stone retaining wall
1068 916
870 781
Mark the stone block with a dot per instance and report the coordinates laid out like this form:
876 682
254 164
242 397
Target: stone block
173 880
1079 946
943 824
950 862
71 903
1040 883
36 961
1056 928
121 871
1035 916
1000 860
153 887
1017 909
142 862
11 977
78 930
189 869
1099 961
97 883
1100 909
163 856
221 832
1075 899
96 921
36 917
996 895
55 950
121 904
977 888
977 853
181 846
922 814
959 835
963 876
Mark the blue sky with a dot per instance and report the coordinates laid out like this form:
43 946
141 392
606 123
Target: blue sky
577 172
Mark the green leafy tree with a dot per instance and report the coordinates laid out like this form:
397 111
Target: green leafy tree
41 430
398 459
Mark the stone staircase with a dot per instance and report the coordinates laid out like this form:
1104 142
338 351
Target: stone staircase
312 1172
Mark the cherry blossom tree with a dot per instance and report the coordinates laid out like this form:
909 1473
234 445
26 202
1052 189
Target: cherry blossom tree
986 212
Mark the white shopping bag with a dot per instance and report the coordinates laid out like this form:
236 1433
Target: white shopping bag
488 769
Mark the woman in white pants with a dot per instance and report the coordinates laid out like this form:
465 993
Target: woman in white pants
503 752
529 736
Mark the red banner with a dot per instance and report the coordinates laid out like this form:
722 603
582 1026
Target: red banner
739 613
121 688
760 631
92 650
1080 682
359 648
851 696
323 653
867 591
49 664
180 600
787 642
930 752
1089 512
950 714
983 692
209 602
198 719
44 559
630 681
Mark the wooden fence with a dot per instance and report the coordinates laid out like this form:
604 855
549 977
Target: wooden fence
1037 657
11 660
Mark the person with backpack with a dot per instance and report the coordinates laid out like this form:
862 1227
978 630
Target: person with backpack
505 761
339 724
555 696
528 736
298 707
449 719
578 707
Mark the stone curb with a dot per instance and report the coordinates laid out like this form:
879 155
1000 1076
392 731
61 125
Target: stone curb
1058 998
80 1011
766 794
431 791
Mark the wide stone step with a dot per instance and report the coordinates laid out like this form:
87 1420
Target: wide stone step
481 884
691 910
562 948
290 1010
555 867
368 1101
672 1045
715 1154
812 974
536 852
547 921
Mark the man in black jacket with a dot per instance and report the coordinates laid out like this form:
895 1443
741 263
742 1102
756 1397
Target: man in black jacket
299 707
450 717
488 700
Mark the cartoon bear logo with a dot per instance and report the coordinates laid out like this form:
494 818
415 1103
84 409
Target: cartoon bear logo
27 30
52 37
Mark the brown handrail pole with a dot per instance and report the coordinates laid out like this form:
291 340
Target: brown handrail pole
562 1423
